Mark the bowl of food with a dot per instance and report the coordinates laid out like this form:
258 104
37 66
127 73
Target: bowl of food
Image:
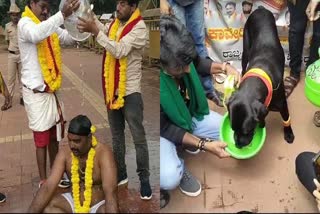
246 152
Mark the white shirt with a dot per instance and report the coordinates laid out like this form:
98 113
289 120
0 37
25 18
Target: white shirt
29 35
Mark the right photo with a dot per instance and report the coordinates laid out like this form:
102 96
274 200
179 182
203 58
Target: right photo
239 106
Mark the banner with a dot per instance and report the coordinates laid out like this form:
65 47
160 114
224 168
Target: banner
224 23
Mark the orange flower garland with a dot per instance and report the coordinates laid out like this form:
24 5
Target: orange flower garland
109 68
49 60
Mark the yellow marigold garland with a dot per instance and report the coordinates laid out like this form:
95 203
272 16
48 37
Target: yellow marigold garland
50 75
109 68
85 208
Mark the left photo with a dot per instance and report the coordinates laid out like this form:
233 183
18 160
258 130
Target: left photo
80 109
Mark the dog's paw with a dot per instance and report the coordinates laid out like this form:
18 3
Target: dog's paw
288 134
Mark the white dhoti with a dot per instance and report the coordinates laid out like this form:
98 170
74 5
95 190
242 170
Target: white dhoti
42 111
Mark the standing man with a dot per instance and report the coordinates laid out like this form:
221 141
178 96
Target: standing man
39 40
14 63
124 44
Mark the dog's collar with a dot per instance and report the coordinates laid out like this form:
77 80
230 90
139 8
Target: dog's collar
257 72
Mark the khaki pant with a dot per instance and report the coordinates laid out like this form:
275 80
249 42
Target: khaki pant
14 70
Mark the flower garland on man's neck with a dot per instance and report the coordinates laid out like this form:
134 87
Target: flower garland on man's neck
75 179
49 56
110 67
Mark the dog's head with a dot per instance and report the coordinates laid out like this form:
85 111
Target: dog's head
244 117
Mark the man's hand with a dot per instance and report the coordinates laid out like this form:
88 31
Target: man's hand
70 6
316 192
87 26
217 148
311 10
165 7
230 70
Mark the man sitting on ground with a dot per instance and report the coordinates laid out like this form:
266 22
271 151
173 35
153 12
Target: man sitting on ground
92 169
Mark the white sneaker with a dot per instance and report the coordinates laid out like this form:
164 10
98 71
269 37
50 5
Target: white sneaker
123 182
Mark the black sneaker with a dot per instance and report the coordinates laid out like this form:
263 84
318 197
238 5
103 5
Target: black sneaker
3 198
64 184
145 190
123 180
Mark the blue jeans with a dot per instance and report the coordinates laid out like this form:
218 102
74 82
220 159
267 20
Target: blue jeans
171 166
207 83
192 16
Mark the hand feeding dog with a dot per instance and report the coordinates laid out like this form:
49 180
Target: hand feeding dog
261 88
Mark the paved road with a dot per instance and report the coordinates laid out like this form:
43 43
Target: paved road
82 94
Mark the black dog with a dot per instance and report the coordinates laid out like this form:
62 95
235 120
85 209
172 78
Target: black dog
250 105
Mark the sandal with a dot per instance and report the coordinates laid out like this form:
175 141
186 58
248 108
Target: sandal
316 119
6 106
290 83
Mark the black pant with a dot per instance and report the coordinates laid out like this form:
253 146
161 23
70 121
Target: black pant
132 112
297 29
304 170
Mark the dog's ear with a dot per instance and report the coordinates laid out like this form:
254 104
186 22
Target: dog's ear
259 110
229 101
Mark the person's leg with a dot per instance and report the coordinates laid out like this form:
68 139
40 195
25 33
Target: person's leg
171 166
12 72
315 43
209 127
194 15
41 154
178 11
53 146
60 204
211 93
19 79
173 172
133 111
304 170
297 29
42 140
116 122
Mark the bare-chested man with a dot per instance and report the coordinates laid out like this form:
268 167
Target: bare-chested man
104 176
